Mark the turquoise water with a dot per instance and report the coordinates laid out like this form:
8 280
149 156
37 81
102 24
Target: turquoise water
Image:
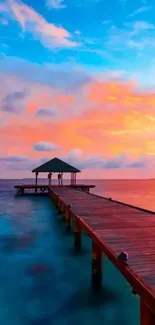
43 281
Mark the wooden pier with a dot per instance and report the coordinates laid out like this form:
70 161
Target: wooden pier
114 227
124 233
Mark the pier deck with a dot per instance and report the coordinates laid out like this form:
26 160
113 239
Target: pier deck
24 188
116 227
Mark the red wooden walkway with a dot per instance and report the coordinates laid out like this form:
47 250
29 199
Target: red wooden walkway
115 227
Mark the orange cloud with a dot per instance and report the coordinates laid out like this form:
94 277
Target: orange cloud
50 98
126 127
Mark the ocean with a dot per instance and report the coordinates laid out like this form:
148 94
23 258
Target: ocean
42 280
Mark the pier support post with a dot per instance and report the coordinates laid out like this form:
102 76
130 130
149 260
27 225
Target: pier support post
22 191
146 315
60 206
57 201
77 236
63 211
96 266
68 218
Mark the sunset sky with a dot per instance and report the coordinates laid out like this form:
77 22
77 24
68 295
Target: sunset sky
77 81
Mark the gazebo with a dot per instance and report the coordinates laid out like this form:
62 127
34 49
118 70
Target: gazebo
58 166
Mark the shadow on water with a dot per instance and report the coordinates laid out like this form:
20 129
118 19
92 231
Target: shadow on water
62 231
67 305
85 298
84 251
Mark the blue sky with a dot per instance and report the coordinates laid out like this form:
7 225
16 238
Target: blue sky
113 35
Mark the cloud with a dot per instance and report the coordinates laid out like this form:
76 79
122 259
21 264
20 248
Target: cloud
93 126
16 95
18 163
13 101
140 10
45 146
105 91
13 159
105 22
140 25
46 113
74 153
113 164
3 21
92 162
43 100
76 157
48 34
6 46
137 35
121 161
77 32
63 77
137 164
55 4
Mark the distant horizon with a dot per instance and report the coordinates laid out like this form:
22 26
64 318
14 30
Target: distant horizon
68 179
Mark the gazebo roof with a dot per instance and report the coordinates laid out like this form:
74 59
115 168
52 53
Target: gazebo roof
56 165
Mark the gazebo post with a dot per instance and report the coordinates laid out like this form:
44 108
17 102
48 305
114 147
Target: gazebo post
49 179
36 181
72 178
75 179
61 179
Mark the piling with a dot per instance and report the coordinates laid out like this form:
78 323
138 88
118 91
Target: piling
96 266
77 235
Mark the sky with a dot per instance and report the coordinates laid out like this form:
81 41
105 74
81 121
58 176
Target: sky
78 82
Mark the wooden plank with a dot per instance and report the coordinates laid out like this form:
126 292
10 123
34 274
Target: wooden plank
113 228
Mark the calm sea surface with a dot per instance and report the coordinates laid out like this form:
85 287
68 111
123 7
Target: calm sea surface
42 280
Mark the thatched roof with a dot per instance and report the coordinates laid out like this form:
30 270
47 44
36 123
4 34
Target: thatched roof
56 165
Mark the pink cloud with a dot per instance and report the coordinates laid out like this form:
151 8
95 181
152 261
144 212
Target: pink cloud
49 34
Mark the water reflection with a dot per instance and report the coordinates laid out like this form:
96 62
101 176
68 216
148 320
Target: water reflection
43 281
